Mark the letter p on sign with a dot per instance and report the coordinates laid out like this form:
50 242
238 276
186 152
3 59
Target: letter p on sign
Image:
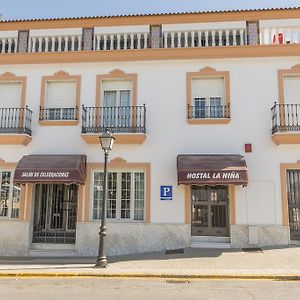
166 192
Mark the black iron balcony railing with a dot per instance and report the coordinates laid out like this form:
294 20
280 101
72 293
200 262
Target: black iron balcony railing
15 120
285 117
55 114
209 112
118 119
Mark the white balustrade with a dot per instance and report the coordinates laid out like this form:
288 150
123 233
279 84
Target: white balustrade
8 45
55 43
121 41
280 35
204 38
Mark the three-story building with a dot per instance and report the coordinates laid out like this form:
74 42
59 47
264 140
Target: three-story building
205 110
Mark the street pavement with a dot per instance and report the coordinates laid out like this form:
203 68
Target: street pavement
123 289
273 263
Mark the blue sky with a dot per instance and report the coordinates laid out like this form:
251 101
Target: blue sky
23 9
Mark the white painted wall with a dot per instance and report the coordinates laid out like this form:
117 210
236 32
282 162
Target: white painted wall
162 87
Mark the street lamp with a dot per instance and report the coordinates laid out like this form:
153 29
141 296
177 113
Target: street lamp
106 142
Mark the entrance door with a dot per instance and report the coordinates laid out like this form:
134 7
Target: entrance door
210 215
293 196
55 213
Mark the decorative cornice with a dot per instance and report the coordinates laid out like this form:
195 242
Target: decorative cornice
61 74
117 72
8 76
118 161
296 68
208 70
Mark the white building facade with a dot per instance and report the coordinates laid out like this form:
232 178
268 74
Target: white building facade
203 157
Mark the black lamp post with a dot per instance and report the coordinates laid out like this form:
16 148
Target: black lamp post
106 141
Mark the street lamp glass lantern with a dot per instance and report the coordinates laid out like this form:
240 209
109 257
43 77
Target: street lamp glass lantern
106 140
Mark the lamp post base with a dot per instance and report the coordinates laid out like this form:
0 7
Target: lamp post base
101 263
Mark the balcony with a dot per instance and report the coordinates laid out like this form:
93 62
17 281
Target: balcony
219 114
220 39
286 123
58 116
128 123
15 126
205 38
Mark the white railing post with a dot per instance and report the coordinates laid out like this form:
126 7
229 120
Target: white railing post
213 38
227 37
105 42
172 39
73 43
9 45
145 40
234 37
59 44
193 39
46 44
199 38
179 39
79 43
138 41
166 39
242 36
53 39
118 41
206 38
220 37
186 39
111 38
125 41
132 41
40 41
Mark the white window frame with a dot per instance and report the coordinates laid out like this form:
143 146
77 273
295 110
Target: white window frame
118 218
10 197
208 101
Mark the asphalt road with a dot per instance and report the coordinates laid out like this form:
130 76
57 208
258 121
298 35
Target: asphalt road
98 288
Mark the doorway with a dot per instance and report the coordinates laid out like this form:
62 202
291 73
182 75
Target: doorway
210 210
55 213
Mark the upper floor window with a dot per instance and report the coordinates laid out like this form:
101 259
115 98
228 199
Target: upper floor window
126 195
10 94
10 196
291 89
117 103
60 98
208 97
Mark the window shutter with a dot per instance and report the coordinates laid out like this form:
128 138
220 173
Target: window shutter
291 88
60 94
10 94
113 85
208 87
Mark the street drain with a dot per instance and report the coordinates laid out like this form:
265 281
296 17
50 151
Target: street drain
252 249
173 281
175 251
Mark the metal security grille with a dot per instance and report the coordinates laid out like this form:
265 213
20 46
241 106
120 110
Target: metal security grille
293 195
210 210
55 213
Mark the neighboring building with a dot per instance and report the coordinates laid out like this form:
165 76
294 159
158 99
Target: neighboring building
203 157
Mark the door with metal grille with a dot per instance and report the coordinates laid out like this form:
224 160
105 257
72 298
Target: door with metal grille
293 196
210 215
55 213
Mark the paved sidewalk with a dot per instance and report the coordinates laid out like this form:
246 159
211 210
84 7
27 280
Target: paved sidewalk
279 263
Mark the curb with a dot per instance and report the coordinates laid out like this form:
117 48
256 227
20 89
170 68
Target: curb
153 276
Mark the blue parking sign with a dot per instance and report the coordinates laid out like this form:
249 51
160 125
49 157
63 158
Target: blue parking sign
166 192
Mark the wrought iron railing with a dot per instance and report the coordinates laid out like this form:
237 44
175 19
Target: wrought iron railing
209 112
69 113
285 117
118 119
15 120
